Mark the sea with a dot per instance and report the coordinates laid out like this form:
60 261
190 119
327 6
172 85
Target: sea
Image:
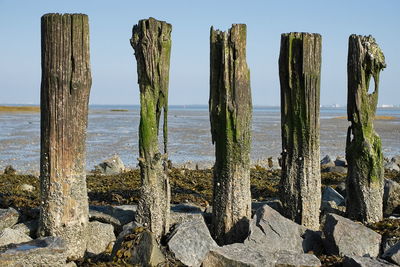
113 130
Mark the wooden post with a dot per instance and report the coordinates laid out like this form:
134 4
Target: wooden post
151 40
230 115
299 72
65 87
363 147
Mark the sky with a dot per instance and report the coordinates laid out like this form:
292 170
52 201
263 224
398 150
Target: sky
114 66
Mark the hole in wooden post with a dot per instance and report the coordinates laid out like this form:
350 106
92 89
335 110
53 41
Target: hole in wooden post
371 85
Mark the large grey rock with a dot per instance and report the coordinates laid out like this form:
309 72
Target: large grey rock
140 250
185 213
8 218
341 161
46 252
391 166
11 236
345 237
357 261
190 242
113 165
391 197
269 227
29 227
244 255
117 216
327 162
330 194
388 242
274 203
393 254
332 207
100 235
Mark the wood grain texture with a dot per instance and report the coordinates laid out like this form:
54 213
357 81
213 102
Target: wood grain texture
364 184
230 116
65 88
299 72
151 40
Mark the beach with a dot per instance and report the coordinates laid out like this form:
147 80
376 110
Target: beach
114 130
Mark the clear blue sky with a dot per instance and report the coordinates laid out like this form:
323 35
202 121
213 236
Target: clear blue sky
114 65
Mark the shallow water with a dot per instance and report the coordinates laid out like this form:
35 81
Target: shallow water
111 132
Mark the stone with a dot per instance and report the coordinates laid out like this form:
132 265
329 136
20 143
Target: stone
113 165
327 162
29 227
357 261
139 248
9 170
128 228
269 227
241 255
391 197
345 237
115 215
396 159
44 251
8 218
330 194
391 166
11 236
27 188
337 169
341 189
388 242
393 254
275 203
100 235
184 213
341 161
190 242
332 207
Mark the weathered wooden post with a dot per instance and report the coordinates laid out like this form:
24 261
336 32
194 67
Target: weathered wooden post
299 72
151 40
363 147
65 87
230 116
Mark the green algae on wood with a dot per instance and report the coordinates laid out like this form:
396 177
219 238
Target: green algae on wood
65 88
151 40
299 73
363 147
230 116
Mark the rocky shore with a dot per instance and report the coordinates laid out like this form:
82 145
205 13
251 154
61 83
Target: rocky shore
117 240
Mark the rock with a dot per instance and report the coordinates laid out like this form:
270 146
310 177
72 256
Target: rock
29 227
332 207
330 194
190 242
276 204
357 261
27 188
337 169
113 165
241 255
184 213
11 236
391 197
312 242
393 254
139 248
45 251
128 228
345 237
117 216
9 170
8 218
327 162
388 242
396 159
100 235
341 161
341 189
391 166
70 264
269 227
